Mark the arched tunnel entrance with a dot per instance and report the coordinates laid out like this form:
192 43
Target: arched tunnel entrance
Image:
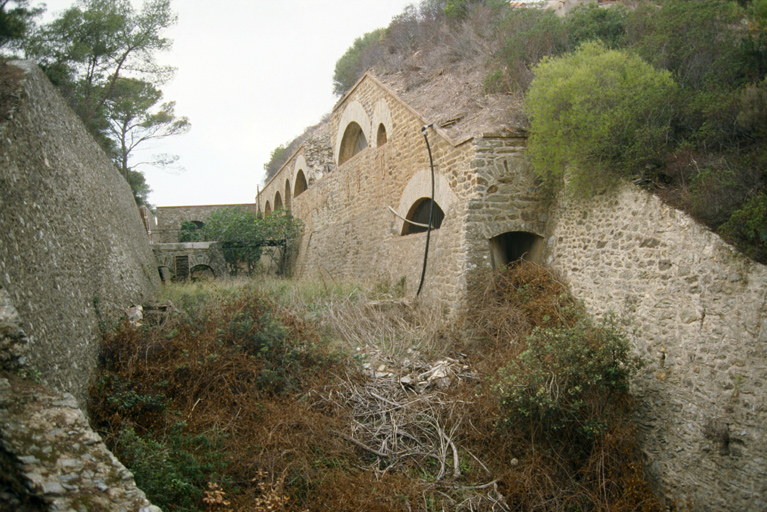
514 246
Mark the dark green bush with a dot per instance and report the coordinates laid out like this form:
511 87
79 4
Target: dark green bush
748 227
568 384
173 472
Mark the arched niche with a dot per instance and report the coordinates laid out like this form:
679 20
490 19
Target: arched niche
353 126
419 214
287 194
381 137
515 246
267 208
353 142
418 188
277 201
300 183
202 273
382 123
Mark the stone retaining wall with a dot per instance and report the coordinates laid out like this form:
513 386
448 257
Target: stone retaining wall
73 249
700 310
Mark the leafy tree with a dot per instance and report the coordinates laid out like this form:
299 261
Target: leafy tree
244 235
138 186
16 22
528 35
92 45
101 56
595 113
134 118
190 232
361 56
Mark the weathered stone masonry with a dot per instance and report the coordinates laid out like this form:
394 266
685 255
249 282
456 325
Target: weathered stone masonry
73 251
350 234
700 310
72 245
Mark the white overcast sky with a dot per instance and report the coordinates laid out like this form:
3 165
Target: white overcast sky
251 75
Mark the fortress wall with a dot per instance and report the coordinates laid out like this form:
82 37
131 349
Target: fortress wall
72 245
701 313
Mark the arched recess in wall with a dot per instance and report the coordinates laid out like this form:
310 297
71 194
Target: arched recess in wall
353 132
287 194
277 201
419 188
353 142
514 246
382 123
300 183
267 208
202 273
419 213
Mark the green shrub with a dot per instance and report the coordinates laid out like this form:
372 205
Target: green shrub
597 113
173 472
568 384
748 227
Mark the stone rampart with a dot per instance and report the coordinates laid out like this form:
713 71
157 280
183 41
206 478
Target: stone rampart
700 310
73 249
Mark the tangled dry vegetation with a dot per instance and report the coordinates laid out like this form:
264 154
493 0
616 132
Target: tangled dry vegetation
259 398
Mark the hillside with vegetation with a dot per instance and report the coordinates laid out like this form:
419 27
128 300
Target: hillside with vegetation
668 94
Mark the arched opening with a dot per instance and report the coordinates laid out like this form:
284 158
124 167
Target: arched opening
381 138
514 246
300 185
419 213
352 143
277 202
287 194
267 208
166 273
202 273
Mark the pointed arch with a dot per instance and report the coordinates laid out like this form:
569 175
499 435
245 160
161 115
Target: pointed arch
267 208
277 201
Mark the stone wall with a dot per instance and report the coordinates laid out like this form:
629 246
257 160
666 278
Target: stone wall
73 249
169 218
700 310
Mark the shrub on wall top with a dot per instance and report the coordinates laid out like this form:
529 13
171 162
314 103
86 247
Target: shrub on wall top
597 113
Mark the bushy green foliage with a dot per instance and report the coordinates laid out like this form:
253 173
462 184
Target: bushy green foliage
747 227
593 23
172 471
190 232
568 384
597 113
360 57
528 35
15 22
245 236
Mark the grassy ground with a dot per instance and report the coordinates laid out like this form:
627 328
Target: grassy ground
273 395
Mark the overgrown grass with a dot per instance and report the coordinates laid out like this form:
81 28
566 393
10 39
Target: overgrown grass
248 398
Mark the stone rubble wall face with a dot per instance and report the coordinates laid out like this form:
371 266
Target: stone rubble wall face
72 239
701 313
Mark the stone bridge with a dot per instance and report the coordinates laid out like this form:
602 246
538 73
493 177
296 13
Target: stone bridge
182 260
